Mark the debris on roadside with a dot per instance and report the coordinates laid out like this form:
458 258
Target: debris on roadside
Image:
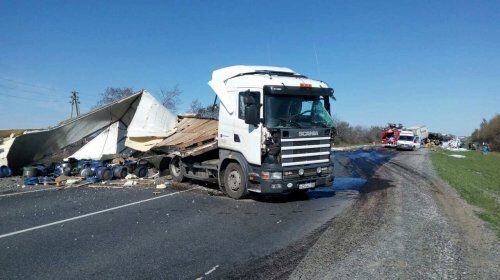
453 145
161 186
122 172
457 156
127 127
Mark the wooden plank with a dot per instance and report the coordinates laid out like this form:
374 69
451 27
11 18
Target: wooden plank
191 133
200 150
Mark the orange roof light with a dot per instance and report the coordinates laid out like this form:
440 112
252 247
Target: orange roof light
305 85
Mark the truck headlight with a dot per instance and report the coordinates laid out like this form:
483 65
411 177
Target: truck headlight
265 175
276 175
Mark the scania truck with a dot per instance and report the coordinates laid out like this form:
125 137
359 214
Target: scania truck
275 133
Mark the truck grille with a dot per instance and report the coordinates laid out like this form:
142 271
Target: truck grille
296 150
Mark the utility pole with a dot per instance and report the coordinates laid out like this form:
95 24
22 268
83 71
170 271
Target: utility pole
75 103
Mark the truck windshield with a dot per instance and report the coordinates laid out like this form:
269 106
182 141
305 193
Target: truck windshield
296 111
406 138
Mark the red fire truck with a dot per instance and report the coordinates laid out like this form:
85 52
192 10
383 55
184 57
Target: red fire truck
390 135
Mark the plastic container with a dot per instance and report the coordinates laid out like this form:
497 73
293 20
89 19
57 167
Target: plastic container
41 169
119 171
141 171
5 171
31 181
30 172
104 173
86 172
62 170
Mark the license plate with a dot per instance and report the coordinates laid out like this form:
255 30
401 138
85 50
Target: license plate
307 185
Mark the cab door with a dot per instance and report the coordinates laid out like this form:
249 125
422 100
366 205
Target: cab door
247 137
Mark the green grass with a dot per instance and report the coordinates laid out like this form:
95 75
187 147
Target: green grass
476 178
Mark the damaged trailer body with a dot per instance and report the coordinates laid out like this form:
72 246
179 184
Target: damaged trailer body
139 116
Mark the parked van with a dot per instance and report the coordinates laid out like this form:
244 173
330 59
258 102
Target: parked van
408 141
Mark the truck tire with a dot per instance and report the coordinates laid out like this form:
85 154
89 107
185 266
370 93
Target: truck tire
176 170
235 183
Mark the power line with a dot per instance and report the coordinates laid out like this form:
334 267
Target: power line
28 98
26 84
30 91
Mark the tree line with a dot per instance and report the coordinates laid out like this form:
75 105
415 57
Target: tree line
349 135
488 132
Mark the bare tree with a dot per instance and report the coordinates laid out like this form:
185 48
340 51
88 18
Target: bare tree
210 111
112 94
170 98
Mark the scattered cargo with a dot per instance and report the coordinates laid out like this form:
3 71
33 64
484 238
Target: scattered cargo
122 127
73 170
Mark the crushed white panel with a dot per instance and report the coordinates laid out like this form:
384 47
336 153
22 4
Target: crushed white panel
151 119
140 113
4 150
109 142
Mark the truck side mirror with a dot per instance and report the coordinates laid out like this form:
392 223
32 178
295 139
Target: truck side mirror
251 100
252 113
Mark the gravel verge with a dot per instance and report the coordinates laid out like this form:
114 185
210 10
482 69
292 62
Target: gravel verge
408 224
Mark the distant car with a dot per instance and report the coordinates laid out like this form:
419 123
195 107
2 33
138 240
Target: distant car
408 141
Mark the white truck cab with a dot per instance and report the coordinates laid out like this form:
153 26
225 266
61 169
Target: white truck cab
275 131
408 141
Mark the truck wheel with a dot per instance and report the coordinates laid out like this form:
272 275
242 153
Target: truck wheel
235 183
176 170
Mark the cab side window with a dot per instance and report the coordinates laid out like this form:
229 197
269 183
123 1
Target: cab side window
241 106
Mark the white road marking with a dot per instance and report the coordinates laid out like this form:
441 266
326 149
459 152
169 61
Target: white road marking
91 214
16 193
208 272
47 189
212 270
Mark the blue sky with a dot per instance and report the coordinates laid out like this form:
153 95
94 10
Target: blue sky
415 62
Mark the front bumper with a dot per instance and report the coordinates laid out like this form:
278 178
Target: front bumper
291 183
405 147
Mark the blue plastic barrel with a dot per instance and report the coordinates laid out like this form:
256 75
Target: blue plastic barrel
119 171
104 173
5 171
141 171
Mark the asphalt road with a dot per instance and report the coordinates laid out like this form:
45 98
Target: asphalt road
388 216
179 234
